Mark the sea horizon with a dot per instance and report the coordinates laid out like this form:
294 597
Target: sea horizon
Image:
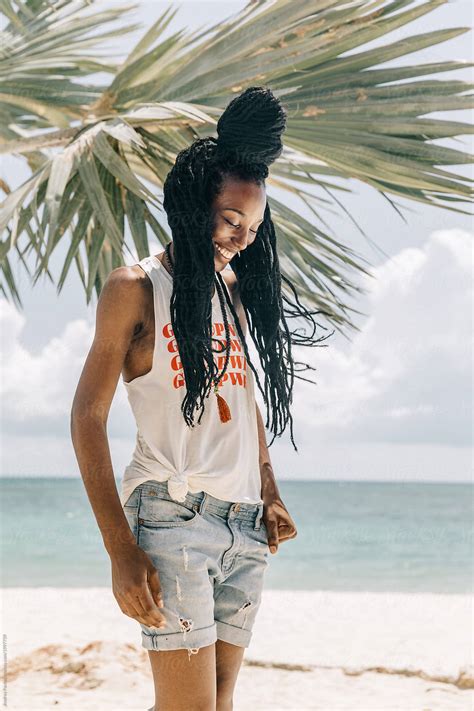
355 536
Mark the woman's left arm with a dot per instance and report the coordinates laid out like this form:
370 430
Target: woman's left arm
279 524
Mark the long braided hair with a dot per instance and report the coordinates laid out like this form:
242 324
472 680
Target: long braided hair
249 140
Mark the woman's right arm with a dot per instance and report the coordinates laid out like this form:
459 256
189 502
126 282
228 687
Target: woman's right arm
136 583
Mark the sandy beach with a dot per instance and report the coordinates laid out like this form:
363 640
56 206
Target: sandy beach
73 648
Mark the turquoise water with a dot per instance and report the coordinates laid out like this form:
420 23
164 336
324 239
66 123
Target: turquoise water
352 536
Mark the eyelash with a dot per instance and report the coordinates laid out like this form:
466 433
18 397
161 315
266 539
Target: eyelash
254 232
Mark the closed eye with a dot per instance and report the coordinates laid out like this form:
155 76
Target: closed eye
237 226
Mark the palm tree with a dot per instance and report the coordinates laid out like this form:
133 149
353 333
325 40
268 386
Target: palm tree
113 145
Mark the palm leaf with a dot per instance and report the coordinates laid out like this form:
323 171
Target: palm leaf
348 117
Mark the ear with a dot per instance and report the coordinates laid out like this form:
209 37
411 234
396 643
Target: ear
232 282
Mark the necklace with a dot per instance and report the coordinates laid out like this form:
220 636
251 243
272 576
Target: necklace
222 406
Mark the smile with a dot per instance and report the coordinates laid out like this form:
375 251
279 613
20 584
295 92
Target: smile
225 252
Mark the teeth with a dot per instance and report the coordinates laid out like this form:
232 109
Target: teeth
224 252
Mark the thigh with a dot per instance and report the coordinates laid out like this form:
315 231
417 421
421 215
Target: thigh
183 683
228 662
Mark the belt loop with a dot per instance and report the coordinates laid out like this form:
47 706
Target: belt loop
258 517
139 502
231 510
201 506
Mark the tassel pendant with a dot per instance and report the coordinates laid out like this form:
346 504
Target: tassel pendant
223 407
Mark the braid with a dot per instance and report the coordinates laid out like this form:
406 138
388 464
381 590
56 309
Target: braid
248 141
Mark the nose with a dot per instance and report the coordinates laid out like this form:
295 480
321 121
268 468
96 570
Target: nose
242 241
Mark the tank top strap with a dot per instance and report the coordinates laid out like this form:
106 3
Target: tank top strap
152 267
147 263
144 264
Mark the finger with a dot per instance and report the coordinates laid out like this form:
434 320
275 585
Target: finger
134 602
272 528
150 607
130 608
287 537
145 618
141 615
285 531
155 587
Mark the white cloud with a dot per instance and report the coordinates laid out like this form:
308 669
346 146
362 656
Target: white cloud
37 388
407 376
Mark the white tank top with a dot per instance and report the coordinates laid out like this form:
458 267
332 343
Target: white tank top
220 458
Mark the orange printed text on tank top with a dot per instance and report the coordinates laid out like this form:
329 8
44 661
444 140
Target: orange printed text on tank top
236 373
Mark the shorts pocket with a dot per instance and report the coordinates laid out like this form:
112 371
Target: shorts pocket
262 530
132 520
260 537
158 512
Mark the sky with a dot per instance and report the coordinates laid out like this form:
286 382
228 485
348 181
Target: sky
393 401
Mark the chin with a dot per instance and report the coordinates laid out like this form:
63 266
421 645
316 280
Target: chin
220 262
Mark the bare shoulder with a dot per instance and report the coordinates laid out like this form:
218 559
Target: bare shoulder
123 295
125 275
126 279
119 314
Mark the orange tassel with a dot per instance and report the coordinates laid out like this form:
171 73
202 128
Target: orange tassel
224 411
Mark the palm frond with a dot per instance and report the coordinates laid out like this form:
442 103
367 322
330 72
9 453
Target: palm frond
100 154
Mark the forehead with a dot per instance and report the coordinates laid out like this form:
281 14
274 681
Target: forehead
244 195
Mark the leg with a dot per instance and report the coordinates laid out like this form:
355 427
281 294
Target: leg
184 682
182 655
228 661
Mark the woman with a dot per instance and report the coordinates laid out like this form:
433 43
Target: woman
199 506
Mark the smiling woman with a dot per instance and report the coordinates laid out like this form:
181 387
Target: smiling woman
205 490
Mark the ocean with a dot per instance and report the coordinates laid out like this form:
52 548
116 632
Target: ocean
352 536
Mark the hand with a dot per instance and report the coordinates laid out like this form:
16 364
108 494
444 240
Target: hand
280 525
136 585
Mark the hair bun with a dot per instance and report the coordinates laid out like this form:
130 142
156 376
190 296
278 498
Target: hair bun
250 129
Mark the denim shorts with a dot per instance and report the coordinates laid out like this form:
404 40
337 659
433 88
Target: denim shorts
211 556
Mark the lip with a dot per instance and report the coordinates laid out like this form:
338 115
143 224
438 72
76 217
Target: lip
219 248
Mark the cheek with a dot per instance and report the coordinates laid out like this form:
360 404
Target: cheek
221 234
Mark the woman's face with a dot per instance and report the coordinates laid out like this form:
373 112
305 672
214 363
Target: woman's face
238 211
